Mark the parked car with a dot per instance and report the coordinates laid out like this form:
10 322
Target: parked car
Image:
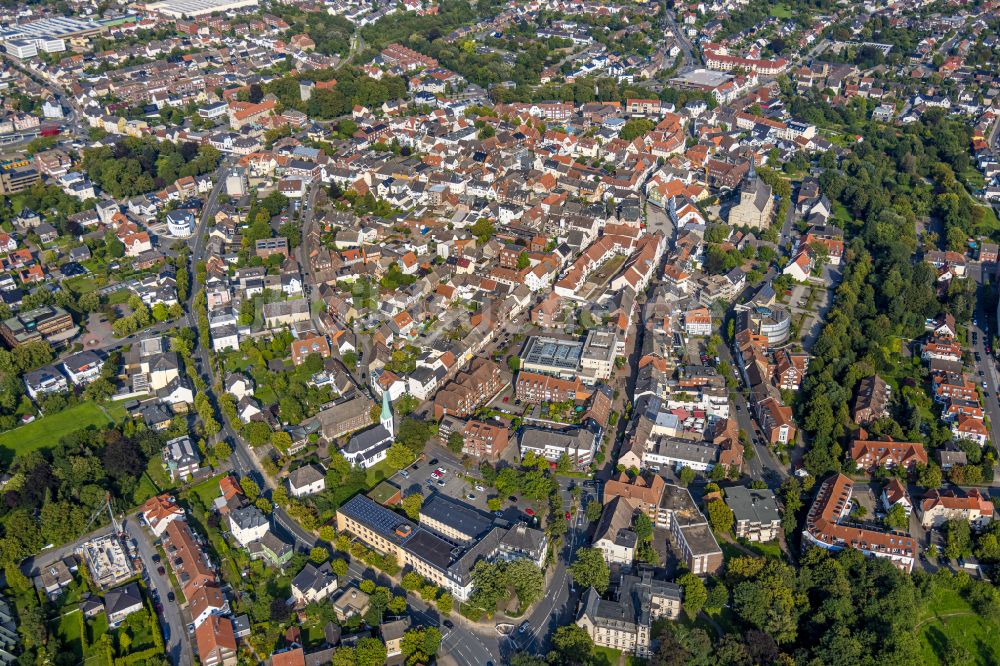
480 488
530 511
171 596
160 570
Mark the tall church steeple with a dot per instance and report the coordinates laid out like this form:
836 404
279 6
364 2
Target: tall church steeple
386 418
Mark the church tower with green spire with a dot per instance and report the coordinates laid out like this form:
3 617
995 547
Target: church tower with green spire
386 417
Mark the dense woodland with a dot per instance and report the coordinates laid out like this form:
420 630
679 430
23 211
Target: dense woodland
136 166
888 185
53 493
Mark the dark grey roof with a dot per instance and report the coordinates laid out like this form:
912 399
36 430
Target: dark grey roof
368 439
247 517
395 629
456 515
305 475
314 578
524 539
615 524
378 519
121 598
431 548
751 504
629 605
80 360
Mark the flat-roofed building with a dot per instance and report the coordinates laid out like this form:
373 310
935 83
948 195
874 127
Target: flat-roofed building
452 519
179 9
690 531
48 322
597 358
16 178
552 356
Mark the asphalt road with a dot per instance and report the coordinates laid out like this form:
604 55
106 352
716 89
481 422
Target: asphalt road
179 646
467 646
987 326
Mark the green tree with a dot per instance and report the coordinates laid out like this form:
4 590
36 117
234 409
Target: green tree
695 594
370 652
250 488
571 646
411 505
281 440
398 456
482 229
594 510
455 442
257 433
635 128
339 567
720 516
318 555
590 570
444 604
958 539
527 580
896 518
411 581
686 475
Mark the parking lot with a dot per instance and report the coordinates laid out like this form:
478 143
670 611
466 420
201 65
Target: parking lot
455 484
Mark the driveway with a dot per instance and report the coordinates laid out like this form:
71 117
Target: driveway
178 646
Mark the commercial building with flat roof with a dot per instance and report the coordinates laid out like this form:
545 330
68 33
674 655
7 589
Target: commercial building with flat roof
452 519
192 8
552 356
434 557
48 322
17 177
597 359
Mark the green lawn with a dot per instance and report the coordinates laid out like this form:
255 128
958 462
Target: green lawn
47 431
781 11
70 632
81 285
207 490
948 626
606 656
145 489
770 549
973 638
